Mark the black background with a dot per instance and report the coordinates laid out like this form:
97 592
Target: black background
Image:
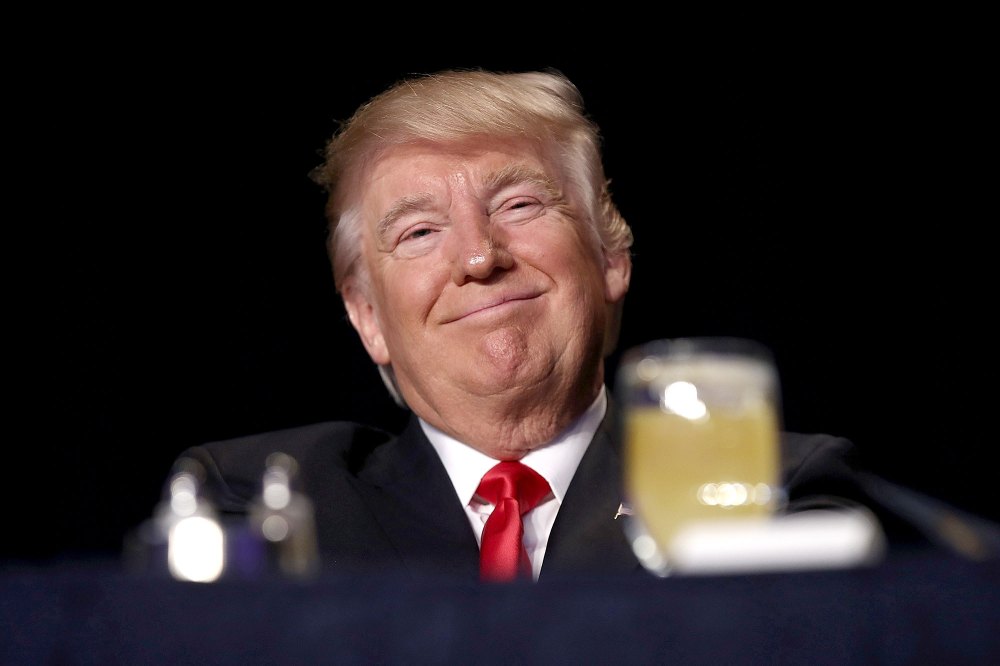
813 192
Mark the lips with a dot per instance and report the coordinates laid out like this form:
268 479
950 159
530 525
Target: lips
491 303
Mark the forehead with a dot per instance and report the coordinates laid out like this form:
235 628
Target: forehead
424 166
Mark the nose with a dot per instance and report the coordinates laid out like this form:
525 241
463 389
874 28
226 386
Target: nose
479 250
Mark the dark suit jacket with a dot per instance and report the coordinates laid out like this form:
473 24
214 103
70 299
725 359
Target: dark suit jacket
387 501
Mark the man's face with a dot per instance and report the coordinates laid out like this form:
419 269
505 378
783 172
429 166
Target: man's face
484 280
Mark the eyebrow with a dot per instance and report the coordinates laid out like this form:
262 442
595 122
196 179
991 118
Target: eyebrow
513 174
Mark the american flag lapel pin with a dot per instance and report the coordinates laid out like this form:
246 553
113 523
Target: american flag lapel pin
623 510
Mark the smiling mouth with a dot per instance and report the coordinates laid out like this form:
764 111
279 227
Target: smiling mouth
495 306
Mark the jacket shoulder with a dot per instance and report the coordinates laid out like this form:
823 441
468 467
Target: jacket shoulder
234 467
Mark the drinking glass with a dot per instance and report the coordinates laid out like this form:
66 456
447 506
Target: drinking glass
700 427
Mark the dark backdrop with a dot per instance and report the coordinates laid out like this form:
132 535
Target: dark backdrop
810 193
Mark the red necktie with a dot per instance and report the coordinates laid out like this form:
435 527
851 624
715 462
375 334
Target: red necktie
514 489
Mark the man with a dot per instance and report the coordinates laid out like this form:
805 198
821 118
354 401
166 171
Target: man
484 265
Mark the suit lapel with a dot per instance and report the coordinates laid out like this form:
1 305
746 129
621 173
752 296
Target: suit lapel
414 501
586 536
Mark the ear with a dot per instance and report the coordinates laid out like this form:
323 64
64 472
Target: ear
617 274
364 319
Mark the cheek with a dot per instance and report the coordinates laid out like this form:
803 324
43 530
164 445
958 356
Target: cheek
407 293
562 254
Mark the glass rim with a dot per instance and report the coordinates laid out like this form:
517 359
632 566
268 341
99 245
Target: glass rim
692 345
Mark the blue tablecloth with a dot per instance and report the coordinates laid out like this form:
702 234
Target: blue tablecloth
919 609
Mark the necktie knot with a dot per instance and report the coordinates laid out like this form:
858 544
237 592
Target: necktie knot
514 489
513 480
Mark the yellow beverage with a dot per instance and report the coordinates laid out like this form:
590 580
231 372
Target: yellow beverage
719 463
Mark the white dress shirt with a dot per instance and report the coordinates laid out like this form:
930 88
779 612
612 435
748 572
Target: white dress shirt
556 462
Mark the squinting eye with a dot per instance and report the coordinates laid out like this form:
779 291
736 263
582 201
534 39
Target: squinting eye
518 203
415 234
519 209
